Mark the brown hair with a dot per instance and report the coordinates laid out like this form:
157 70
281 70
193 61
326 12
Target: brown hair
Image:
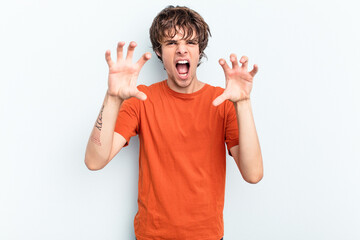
171 20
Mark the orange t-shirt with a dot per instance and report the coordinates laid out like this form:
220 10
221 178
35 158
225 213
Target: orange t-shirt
182 160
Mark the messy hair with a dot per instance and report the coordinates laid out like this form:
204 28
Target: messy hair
172 20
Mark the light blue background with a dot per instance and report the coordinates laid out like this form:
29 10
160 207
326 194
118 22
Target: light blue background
305 101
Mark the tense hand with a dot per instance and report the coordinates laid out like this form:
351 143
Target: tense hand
238 80
123 73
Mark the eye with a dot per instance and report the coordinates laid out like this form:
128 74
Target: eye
170 43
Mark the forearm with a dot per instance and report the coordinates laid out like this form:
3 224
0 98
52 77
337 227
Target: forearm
250 159
101 138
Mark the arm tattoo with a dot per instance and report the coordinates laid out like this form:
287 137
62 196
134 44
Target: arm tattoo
95 137
98 123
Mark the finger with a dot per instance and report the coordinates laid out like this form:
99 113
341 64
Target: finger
224 65
108 58
143 59
234 61
254 71
140 95
130 52
120 50
220 99
244 61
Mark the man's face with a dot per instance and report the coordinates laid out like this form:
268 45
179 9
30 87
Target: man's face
180 58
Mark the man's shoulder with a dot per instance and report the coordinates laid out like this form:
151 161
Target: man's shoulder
215 89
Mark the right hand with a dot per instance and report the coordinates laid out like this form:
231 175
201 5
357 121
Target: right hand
123 73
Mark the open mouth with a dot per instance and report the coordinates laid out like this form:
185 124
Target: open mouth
183 67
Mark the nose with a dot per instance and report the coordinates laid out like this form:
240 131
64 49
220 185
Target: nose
182 49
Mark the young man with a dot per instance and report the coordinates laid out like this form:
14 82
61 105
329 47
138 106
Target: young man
183 125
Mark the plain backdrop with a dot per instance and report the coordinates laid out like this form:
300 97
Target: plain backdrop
305 102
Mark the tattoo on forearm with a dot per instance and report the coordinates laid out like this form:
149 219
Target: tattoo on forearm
95 137
98 123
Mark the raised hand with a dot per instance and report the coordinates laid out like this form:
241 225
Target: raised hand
238 80
123 73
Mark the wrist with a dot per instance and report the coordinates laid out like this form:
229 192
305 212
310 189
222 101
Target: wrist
243 103
113 95
113 98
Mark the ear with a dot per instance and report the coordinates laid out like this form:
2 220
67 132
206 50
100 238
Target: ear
158 54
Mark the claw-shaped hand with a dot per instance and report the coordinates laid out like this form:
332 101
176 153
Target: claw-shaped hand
238 80
123 73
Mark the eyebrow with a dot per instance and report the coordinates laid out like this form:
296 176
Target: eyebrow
175 41
170 41
192 40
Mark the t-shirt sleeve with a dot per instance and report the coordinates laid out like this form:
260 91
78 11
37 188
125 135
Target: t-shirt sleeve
231 128
128 120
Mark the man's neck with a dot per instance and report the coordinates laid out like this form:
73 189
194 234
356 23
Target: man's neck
194 86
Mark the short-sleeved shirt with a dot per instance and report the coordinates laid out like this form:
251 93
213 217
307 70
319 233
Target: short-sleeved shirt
182 160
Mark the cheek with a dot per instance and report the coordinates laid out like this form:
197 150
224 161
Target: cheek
166 61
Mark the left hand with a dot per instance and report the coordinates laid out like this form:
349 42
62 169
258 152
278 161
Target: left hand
238 80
